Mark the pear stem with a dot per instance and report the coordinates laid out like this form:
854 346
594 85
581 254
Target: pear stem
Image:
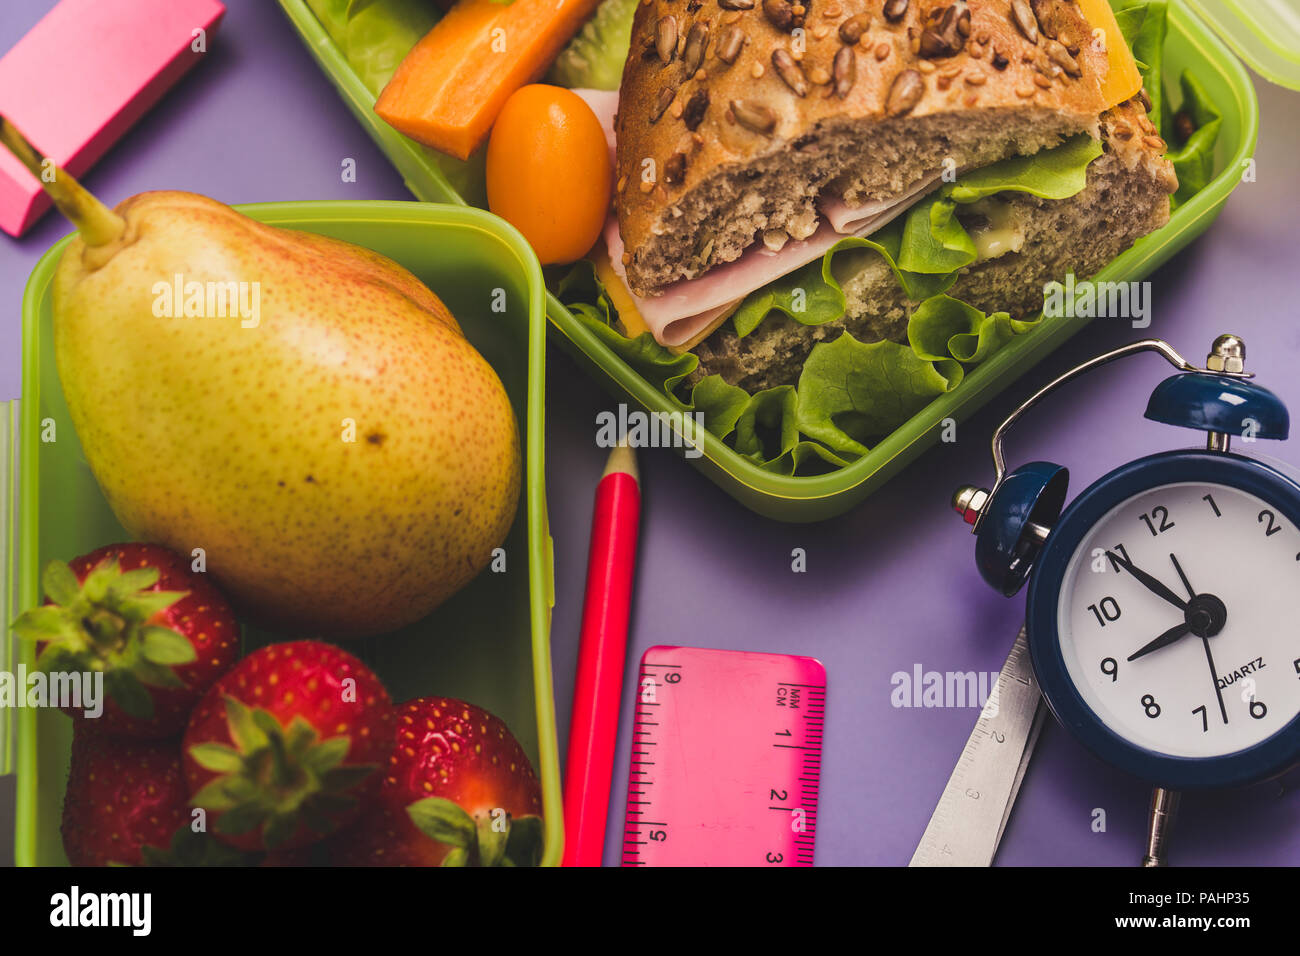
97 224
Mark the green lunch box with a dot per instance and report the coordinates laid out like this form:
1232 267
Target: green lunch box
1189 44
489 644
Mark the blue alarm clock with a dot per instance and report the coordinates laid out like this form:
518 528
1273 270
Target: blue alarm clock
1163 615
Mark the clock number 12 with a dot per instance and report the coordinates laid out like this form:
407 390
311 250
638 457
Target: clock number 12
1157 521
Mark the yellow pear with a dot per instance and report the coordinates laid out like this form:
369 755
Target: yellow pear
303 410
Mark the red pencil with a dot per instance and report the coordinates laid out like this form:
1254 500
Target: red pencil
611 563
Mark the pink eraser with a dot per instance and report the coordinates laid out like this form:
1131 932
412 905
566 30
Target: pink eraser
82 76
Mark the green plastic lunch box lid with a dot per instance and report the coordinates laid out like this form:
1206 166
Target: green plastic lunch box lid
1264 33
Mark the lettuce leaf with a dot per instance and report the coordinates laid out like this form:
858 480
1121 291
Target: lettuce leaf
1057 173
1194 160
934 242
594 57
583 293
809 295
761 427
375 35
769 434
721 404
928 245
946 328
774 409
1142 22
916 285
851 393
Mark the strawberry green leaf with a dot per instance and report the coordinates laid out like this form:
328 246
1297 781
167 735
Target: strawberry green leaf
155 675
95 587
244 731
459 856
56 659
162 645
442 820
327 754
241 819
60 584
524 846
215 796
271 734
279 778
278 829
491 841
45 623
99 625
128 582
126 690
216 757
142 605
300 735
189 848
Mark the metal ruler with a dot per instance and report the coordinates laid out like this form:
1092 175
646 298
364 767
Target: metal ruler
726 759
967 825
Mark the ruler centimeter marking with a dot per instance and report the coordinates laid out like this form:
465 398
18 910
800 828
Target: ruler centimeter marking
725 759
967 824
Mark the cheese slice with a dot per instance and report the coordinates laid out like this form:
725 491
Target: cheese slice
630 316
628 313
1122 81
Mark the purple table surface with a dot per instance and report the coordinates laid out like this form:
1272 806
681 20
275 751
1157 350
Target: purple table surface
888 587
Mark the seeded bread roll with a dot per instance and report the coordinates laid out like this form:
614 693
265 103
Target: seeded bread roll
1127 196
735 115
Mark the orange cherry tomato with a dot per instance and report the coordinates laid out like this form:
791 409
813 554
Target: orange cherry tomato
548 171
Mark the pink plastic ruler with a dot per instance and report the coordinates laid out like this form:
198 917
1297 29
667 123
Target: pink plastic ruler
726 757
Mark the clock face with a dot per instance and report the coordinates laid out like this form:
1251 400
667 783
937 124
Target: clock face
1179 619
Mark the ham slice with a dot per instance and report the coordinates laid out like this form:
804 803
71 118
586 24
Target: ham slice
852 220
686 308
604 103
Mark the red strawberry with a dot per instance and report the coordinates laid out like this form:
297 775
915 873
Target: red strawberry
160 633
284 747
123 794
458 791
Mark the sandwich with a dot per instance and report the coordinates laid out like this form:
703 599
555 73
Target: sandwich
790 172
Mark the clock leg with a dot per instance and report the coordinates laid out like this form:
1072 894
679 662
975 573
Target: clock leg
1160 821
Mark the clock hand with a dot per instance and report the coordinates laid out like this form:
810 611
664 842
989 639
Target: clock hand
1147 581
1191 593
1164 640
1209 655
1214 676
